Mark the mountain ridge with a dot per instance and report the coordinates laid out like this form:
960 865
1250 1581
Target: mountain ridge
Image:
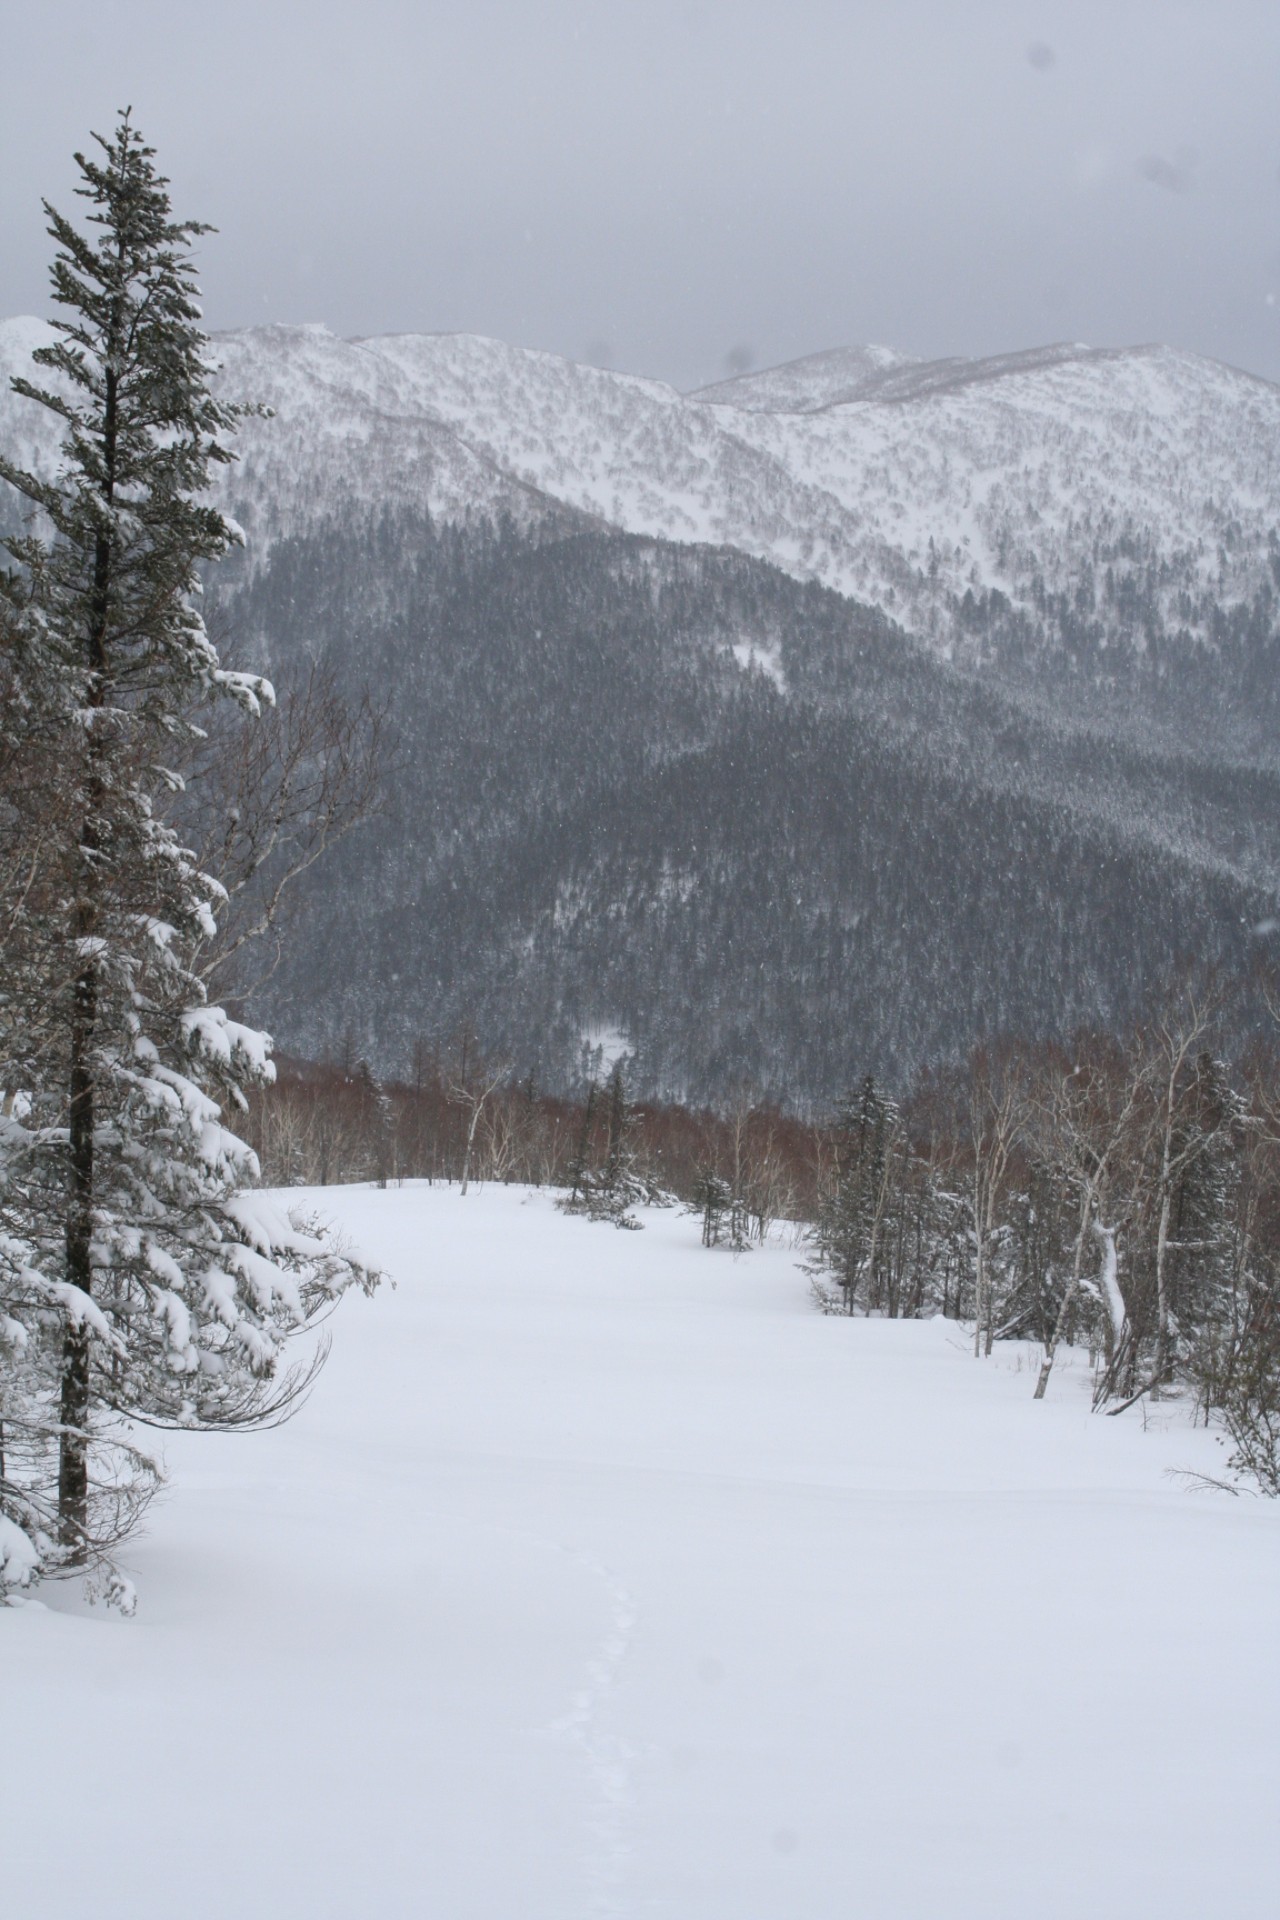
1063 473
785 744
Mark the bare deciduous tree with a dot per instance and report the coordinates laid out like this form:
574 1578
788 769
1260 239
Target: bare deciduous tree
1083 1119
269 803
471 1093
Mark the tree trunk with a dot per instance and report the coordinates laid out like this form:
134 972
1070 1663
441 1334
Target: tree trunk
979 1268
1068 1298
1051 1345
466 1157
73 1449
1161 1367
73 1455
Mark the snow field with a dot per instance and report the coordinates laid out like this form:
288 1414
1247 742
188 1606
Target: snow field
601 1576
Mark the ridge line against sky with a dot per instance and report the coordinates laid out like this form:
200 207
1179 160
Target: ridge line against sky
686 190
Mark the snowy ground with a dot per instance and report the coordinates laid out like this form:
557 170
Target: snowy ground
601 1576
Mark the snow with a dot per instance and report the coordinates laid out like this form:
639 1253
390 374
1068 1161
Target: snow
755 658
601 1576
605 1044
1020 471
18 1557
209 1030
802 386
1109 1282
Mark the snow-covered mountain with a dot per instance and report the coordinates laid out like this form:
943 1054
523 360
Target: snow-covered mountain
802 386
1068 471
663 772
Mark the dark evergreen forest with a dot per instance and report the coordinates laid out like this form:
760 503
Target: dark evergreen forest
749 825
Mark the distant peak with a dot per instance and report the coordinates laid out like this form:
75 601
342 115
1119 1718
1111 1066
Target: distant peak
803 386
26 330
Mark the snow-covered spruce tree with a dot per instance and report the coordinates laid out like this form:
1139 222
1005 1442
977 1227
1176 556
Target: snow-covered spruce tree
37 1307
617 1187
151 1285
712 1198
608 1188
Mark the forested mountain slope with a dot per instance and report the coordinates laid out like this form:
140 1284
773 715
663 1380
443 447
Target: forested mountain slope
1122 495
749 825
827 720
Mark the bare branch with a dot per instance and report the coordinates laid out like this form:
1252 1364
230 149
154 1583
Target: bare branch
274 797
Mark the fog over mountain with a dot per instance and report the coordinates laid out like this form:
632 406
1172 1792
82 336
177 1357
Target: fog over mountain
683 188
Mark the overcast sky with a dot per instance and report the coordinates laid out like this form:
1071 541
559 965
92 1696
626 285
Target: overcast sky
675 186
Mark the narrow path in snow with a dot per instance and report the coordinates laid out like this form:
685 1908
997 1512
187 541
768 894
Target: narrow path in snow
609 1757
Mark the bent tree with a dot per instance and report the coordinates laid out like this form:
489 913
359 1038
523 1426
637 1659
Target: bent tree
145 1283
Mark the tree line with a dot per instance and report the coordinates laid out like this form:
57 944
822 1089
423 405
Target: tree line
1119 1195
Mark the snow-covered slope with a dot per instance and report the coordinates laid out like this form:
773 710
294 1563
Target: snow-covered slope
802 386
1053 471
601 1576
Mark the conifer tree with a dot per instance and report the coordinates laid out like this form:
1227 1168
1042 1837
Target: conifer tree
617 1187
580 1159
851 1209
711 1198
150 1285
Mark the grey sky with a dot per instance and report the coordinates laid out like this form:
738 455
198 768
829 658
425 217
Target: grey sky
660 183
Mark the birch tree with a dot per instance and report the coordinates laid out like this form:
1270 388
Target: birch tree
1084 1125
994 1123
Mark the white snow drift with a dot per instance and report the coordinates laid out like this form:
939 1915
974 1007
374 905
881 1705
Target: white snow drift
602 1576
